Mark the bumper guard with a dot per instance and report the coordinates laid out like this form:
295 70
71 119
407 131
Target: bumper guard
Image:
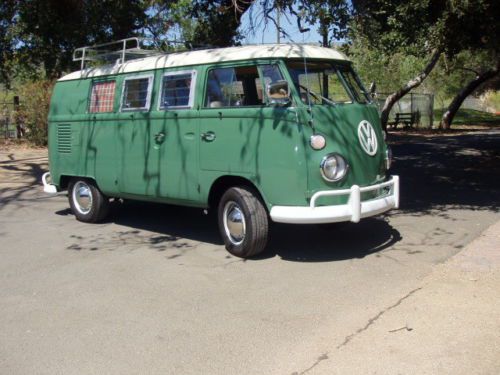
354 210
48 188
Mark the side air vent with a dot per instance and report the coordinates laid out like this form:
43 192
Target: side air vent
64 138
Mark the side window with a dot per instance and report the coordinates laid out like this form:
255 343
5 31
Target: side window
136 93
102 97
233 87
177 90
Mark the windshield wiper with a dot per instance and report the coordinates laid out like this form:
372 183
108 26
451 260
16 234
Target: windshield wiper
318 96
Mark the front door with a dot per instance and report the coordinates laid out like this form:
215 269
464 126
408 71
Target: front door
236 120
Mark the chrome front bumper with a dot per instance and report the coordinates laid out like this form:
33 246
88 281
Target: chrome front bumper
48 188
354 210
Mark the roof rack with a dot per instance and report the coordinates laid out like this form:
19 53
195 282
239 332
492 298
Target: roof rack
118 51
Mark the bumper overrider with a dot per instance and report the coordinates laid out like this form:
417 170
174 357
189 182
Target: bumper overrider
47 187
354 210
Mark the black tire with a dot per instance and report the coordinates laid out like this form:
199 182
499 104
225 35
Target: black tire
242 204
86 200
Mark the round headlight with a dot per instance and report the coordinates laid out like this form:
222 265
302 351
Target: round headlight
388 158
333 167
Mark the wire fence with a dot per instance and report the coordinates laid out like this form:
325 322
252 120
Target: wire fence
413 110
9 126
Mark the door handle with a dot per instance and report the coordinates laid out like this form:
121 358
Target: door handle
208 136
159 137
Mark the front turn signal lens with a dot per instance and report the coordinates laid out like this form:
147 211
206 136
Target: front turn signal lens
317 142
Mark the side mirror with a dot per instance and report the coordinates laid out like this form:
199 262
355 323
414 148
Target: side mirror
278 92
373 89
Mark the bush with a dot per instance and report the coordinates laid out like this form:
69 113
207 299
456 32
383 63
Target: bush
34 109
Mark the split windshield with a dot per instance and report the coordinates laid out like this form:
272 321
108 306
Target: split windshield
326 83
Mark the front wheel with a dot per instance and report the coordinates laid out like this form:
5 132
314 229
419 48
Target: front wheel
243 222
86 200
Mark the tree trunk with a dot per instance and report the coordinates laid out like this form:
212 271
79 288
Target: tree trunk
468 89
394 97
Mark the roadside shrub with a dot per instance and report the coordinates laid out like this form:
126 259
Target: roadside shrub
34 109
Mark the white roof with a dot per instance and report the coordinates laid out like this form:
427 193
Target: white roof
208 56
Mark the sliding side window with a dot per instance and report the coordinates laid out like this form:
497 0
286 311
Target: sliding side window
233 87
102 97
177 90
136 93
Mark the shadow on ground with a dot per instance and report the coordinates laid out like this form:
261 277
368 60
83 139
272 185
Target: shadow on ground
19 177
178 229
438 173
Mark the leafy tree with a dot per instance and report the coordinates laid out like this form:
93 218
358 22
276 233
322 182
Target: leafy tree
217 21
425 29
332 16
400 27
472 27
49 30
198 22
169 20
7 22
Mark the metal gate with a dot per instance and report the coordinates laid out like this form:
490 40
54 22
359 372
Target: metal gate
416 110
10 123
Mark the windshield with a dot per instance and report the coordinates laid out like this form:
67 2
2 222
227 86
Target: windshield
326 83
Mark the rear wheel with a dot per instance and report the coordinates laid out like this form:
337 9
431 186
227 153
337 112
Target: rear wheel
86 200
243 222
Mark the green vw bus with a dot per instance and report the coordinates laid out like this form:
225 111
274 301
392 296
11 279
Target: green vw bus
270 132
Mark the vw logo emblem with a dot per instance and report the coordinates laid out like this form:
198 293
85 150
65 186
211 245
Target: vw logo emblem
367 137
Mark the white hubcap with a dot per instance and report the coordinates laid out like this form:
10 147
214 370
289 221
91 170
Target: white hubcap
234 223
82 197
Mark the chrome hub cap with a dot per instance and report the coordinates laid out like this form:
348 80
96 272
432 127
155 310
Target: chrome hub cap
82 197
234 223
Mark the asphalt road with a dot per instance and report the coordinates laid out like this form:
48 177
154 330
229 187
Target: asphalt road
153 291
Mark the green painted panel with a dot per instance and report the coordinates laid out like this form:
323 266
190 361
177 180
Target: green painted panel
263 143
339 124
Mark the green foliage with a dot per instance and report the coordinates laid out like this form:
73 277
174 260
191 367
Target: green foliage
472 117
34 109
169 20
493 100
7 13
217 21
417 26
332 16
389 71
44 33
453 74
